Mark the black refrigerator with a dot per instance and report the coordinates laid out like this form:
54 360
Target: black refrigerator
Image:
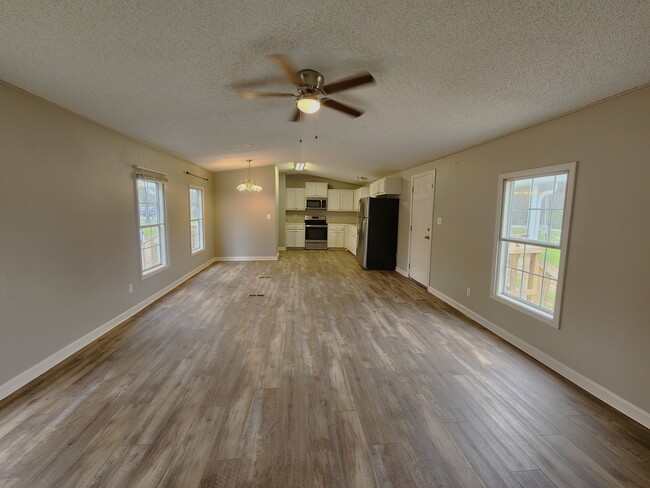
377 230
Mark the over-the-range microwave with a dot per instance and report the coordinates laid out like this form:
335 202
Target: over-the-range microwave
311 203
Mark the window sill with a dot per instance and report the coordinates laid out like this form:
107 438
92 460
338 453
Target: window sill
154 271
199 251
545 318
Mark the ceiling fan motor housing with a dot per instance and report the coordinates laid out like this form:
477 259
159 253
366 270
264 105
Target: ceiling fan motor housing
312 81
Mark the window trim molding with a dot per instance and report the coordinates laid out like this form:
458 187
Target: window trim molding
540 315
189 200
158 269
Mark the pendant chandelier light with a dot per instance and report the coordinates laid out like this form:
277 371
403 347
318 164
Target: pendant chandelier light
249 184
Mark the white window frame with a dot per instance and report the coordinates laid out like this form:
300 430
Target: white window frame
497 282
201 220
162 227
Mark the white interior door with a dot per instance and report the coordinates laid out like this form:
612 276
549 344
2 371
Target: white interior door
421 226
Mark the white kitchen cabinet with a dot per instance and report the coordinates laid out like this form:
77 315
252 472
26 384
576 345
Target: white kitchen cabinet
294 235
347 201
295 199
315 189
340 201
336 236
351 238
386 186
360 193
334 200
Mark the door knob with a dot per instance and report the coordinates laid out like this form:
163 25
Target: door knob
426 237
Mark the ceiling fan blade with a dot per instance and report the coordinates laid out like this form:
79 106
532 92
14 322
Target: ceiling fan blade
346 109
295 117
347 83
248 95
287 68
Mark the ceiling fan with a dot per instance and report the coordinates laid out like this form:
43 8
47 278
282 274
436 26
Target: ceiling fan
311 89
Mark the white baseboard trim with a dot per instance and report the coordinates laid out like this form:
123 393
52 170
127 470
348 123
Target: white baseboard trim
599 391
48 363
401 271
282 248
248 258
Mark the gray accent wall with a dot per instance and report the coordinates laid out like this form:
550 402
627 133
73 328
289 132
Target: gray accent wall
69 244
242 227
605 325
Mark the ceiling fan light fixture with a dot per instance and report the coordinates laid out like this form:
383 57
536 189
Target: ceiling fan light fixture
308 104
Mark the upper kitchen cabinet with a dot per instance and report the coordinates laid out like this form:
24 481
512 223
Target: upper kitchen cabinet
341 201
295 199
360 193
386 186
315 189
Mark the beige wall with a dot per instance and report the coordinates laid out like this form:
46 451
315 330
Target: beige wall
242 227
68 230
282 205
605 331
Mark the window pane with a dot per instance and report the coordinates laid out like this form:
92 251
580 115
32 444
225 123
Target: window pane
152 194
539 225
194 196
194 212
512 283
542 193
152 214
155 251
142 210
149 237
552 263
548 295
521 194
155 236
194 227
147 259
142 198
531 288
515 258
533 224
555 230
145 236
560 191
518 225
533 259
195 242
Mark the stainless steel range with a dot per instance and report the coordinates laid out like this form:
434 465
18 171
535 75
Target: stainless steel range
315 232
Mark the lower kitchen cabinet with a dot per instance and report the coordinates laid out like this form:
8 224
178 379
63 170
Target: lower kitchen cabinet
336 236
351 238
294 235
342 236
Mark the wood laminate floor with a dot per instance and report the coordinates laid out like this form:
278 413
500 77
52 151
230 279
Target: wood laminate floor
336 377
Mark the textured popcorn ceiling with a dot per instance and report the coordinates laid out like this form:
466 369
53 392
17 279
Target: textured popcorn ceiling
449 74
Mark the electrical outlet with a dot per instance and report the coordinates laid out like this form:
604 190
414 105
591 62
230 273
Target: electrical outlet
268 216
439 220
130 287
469 291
